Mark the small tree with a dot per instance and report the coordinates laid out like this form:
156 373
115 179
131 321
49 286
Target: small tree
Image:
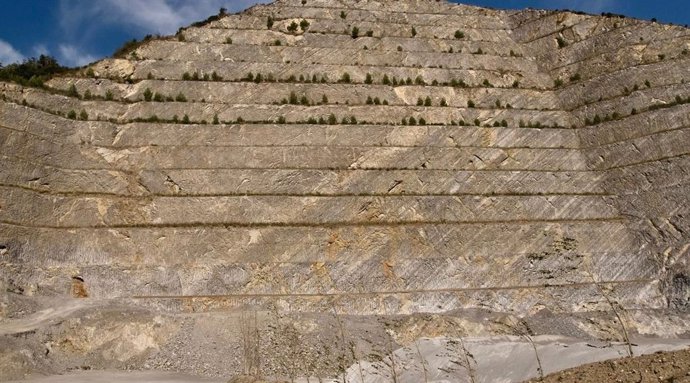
427 101
215 119
443 102
292 28
83 115
72 91
148 94
185 119
470 104
386 80
269 22
355 32
304 24
414 32
420 102
459 35
324 99
343 14
368 79
332 120
72 115
345 78
180 97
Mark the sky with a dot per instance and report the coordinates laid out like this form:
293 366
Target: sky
78 32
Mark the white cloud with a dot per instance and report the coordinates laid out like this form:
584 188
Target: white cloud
8 54
150 16
40 49
73 56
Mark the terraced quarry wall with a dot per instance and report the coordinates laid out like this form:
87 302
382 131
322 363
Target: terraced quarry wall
442 171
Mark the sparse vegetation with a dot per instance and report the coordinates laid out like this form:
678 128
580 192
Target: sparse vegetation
459 34
355 32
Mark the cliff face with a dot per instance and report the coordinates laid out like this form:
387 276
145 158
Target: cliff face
328 185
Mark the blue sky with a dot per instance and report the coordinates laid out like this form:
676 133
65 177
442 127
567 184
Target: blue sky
77 32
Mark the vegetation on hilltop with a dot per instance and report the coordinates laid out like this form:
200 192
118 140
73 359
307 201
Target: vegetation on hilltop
33 71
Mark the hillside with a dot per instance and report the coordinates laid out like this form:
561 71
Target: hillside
366 191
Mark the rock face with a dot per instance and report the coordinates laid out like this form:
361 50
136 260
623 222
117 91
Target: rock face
333 188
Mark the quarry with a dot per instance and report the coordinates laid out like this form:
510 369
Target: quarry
351 191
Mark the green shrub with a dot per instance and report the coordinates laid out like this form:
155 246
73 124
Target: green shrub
72 115
292 28
343 14
332 120
345 78
414 32
404 121
258 78
647 83
157 97
269 22
228 40
504 123
385 102
419 80
108 95
470 104
412 121
185 119
186 76
148 94
293 100
386 80
487 83
324 99
216 121
277 43
561 42
216 77
87 95
459 34
72 91
369 100
479 51
427 101
180 37
558 83
422 121
304 100
304 24
444 102
477 122
420 102
368 79
180 97
575 77
399 48
83 115
355 32
516 84
377 101
353 120
282 120
369 34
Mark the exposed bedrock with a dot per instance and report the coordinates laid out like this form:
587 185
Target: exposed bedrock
382 191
